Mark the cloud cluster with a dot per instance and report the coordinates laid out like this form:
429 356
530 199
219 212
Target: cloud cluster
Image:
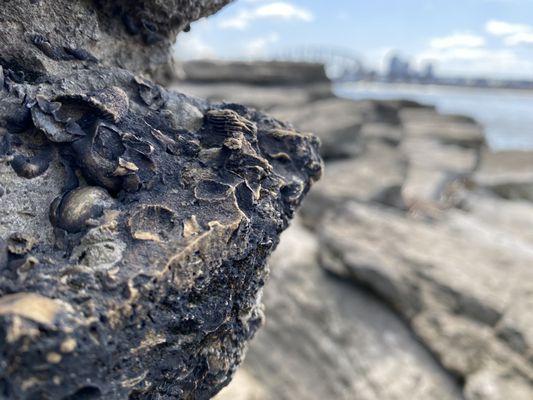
464 40
512 34
495 51
273 10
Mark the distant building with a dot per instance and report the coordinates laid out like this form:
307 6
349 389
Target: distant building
428 73
399 69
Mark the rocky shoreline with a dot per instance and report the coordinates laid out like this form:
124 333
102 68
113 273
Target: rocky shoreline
408 273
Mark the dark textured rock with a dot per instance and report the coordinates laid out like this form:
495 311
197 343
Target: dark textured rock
159 238
135 223
52 36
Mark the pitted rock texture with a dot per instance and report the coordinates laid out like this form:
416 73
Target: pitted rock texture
138 275
39 37
135 223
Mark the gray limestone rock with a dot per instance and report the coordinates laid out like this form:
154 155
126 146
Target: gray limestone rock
462 281
328 339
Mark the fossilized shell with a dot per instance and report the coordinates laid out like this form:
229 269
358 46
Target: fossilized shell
227 121
20 243
140 146
211 190
31 167
151 222
151 94
77 207
54 131
99 155
112 101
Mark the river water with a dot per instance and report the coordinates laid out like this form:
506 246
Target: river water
507 115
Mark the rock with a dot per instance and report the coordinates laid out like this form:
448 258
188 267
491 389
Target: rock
443 151
335 121
51 36
434 168
447 129
458 283
135 222
376 176
508 174
327 339
261 97
391 134
267 73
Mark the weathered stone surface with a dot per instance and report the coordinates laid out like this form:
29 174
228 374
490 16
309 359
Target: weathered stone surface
135 222
52 36
335 121
327 339
508 174
160 249
456 280
443 151
447 129
376 176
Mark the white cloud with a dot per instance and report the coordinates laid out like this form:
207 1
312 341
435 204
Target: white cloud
512 34
466 40
502 28
277 10
257 47
519 39
477 61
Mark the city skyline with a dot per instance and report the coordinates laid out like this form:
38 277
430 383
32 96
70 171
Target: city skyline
473 38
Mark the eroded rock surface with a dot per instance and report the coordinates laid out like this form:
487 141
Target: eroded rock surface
463 282
327 339
135 222
53 36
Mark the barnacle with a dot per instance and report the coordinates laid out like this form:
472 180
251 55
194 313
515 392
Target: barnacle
75 209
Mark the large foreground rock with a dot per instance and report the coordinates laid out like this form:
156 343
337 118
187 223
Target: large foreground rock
327 339
135 223
462 282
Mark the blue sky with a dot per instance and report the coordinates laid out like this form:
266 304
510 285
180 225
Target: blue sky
462 37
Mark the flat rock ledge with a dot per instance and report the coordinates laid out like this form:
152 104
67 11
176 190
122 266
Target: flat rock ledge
135 224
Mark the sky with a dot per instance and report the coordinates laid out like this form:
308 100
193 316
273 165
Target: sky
475 38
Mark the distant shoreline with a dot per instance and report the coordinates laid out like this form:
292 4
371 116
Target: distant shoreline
433 85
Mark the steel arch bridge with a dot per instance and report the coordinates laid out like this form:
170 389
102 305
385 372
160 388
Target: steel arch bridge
341 64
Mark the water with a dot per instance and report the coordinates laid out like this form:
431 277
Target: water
506 115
